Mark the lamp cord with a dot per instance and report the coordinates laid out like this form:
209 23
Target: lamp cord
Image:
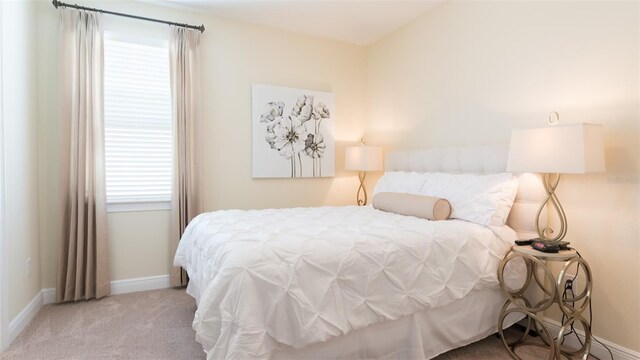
568 288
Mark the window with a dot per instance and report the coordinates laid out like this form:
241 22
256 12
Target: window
137 116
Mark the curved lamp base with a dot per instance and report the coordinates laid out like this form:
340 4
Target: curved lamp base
361 197
550 182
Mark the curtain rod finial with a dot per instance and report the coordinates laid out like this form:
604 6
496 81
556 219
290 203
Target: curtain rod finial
55 3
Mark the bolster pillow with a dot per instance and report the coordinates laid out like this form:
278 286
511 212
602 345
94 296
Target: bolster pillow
426 207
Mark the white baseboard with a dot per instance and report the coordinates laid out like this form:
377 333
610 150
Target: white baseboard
48 296
20 322
619 352
121 287
139 284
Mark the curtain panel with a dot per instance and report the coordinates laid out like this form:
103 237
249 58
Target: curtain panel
83 263
186 187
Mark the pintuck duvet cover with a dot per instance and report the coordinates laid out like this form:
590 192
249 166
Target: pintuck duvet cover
267 278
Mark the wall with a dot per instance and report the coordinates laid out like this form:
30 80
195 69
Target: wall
4 258
234 55
470 72
20 152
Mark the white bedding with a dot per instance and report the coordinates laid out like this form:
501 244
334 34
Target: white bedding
264 279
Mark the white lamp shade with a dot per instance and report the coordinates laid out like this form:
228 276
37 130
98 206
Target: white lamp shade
363 158
570 149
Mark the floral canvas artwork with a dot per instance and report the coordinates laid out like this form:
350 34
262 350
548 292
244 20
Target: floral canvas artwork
292 132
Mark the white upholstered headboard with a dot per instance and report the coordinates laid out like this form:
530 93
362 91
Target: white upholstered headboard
477 159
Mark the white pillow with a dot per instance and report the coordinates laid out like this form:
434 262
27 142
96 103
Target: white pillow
401 182
481 199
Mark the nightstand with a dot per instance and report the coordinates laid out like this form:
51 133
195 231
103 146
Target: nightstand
552 294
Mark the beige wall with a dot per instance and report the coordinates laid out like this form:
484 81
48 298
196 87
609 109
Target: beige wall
20 152
4 255
234 55
470 72
139 244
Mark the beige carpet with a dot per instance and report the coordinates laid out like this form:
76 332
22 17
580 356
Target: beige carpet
153 325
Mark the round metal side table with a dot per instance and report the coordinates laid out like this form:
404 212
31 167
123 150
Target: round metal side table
552 290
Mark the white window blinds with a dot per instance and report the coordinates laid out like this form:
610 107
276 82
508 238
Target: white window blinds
137 114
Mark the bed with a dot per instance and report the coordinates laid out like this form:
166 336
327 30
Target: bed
353 282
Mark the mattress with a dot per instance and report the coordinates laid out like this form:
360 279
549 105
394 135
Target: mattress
269 280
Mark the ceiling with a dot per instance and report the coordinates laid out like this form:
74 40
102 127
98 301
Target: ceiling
355 21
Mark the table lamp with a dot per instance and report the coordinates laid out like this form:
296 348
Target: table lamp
567 149
363 158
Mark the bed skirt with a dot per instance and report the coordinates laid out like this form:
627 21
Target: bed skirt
423 335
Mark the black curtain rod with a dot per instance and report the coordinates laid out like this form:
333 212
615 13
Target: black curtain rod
57 3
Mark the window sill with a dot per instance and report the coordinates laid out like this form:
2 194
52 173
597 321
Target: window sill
138 206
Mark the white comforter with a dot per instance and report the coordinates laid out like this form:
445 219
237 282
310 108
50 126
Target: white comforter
264 278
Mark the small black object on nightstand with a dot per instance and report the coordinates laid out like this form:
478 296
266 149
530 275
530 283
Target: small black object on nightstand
545 247
526 242
550 247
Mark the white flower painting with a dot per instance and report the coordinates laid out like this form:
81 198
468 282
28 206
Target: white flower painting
292 132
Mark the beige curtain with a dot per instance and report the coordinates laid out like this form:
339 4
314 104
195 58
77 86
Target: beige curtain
83 266
184 57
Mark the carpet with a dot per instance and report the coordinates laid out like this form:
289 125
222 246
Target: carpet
155 325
